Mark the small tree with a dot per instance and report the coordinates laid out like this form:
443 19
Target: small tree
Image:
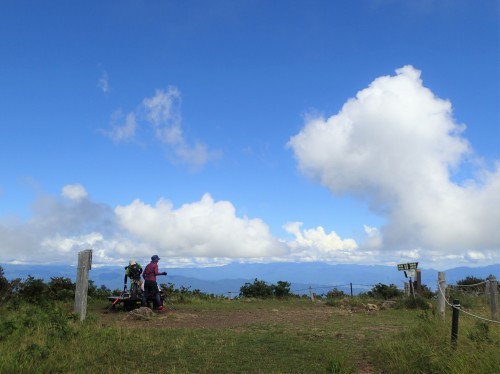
33 290
334 293
282 289
61 288
470 280
4 285
256 289
383 291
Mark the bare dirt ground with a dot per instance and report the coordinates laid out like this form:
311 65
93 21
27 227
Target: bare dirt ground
188 318
236 318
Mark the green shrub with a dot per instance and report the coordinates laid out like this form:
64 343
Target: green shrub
259 289
4 285
282 289
417 302
383 291
61 288
334 293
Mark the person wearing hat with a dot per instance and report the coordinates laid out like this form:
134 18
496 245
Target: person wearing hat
133 271
150 286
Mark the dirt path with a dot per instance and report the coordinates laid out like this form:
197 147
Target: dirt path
239 318
187 318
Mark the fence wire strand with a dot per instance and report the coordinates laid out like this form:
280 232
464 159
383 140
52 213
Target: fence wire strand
460 309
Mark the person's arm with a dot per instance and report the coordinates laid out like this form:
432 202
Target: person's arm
158 273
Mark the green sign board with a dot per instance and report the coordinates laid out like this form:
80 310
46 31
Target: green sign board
408 266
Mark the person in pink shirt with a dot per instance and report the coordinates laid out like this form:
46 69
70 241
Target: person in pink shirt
150 286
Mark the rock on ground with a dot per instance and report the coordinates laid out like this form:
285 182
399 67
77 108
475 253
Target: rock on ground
142 313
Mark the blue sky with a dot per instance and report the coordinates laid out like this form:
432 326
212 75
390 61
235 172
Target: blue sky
253 131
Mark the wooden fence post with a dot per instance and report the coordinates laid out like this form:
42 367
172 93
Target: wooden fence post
311 293
493 296
82 282
418 279
441 293
454 323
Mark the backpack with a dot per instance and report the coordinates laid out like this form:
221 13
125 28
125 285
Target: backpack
134 272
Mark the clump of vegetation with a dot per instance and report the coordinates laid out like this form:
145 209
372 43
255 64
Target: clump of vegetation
186 295
260 289
32 290
426 348
417 302
383 291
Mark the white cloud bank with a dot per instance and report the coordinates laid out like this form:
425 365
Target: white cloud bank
395 145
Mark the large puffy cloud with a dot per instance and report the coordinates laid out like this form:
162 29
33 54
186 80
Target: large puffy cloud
395 145
201 229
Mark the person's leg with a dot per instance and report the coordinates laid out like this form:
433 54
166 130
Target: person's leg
158 299
155 295
146 294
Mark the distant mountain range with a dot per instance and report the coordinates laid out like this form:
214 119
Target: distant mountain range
229 278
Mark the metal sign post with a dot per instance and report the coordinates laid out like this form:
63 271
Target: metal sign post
410 270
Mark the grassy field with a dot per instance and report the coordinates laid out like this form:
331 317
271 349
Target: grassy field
245 336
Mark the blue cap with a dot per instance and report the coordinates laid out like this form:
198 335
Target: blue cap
155 258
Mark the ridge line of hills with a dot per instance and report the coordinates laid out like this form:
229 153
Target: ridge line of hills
222 279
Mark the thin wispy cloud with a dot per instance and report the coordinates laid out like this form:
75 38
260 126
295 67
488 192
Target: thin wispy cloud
162 112
122 130
104 83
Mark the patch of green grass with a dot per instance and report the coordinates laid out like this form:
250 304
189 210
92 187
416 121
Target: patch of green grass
51 340
426 348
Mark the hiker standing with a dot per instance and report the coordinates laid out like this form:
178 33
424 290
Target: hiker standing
133 271
150 286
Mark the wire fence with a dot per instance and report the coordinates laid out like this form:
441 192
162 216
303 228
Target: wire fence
349 287
461 309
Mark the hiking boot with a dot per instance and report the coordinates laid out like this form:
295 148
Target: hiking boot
161 309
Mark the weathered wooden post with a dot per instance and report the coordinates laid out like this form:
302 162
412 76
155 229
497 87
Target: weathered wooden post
454 323
311 294
229 295
82 282
441 293
418 279
493 296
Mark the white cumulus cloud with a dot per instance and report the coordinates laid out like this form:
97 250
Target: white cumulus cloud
396 144
205 228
